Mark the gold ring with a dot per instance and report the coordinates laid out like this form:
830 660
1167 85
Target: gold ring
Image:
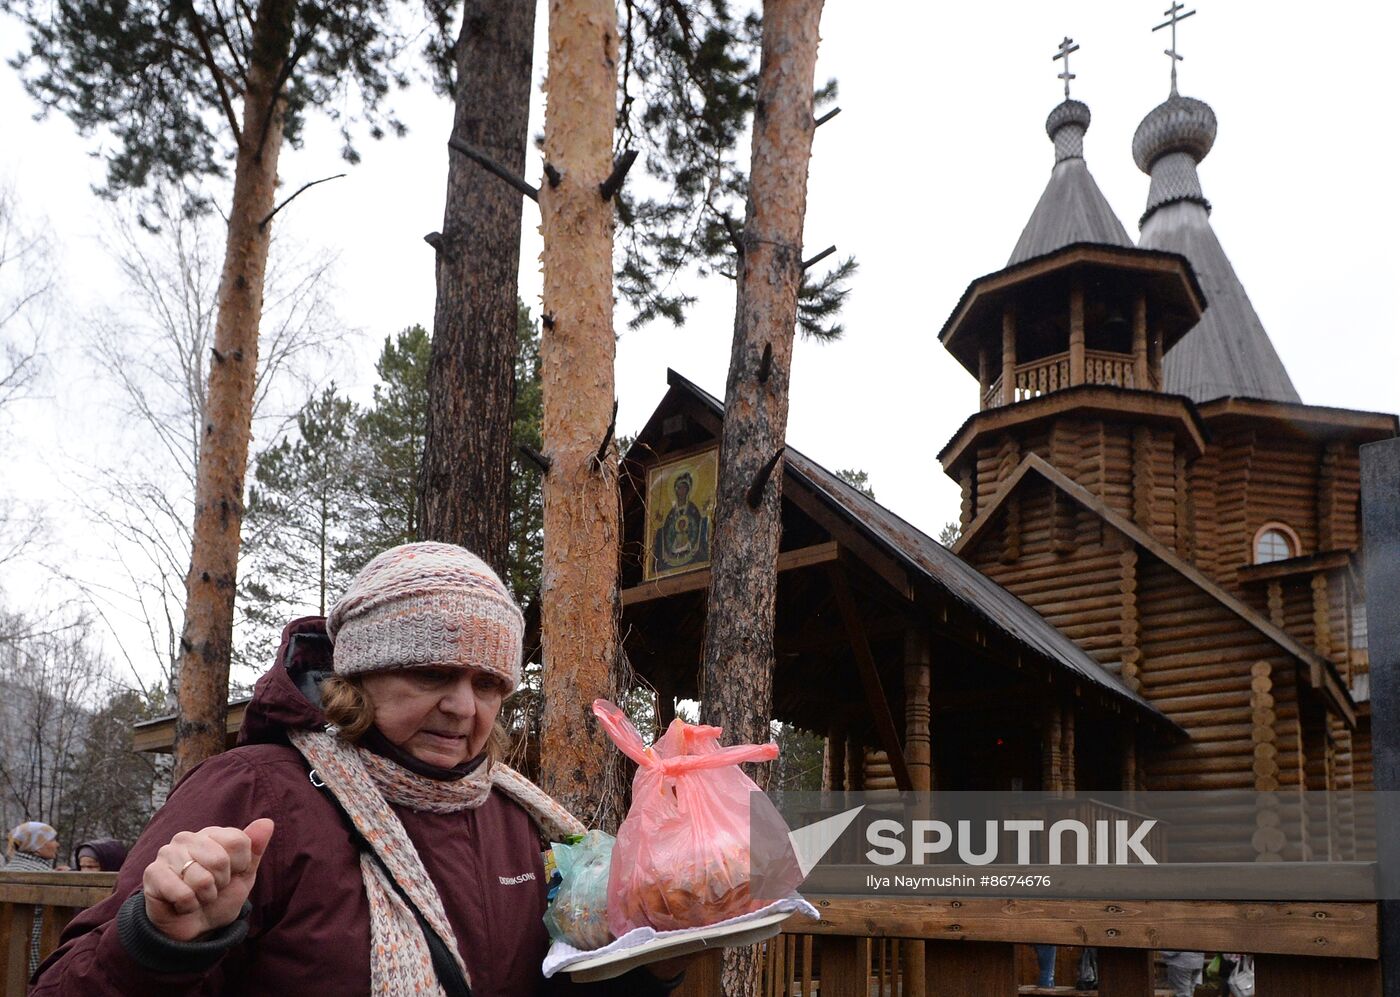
187 864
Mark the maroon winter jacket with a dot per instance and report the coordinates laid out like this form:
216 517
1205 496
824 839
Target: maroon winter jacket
308 931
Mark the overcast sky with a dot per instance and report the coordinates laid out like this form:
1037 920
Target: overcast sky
927 176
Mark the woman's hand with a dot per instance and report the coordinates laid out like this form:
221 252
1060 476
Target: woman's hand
199 881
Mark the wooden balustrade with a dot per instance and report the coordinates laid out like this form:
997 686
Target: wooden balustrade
60 895
1053 373
1301 949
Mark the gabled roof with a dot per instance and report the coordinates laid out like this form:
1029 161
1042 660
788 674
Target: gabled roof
1228 353
1071 209
1322 672
924 557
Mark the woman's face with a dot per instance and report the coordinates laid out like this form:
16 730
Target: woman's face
48 850
442 716
87 862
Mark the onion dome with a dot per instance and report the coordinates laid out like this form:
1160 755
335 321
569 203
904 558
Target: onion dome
1066 126
1174 137
1228 354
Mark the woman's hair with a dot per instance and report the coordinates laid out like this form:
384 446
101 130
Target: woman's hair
345 704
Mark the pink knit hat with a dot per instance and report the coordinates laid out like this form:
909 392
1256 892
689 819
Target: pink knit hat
427 605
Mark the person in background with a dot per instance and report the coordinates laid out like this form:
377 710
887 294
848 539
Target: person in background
101 855
1045 964
1184 971
32 848
363 837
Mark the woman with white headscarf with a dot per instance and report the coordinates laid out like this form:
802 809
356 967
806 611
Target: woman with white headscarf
32 848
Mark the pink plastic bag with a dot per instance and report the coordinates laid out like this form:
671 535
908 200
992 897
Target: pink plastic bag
682 855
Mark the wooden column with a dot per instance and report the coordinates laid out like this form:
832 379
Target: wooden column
1154 353
965 969
918 752
1269 839
1052 767
1008 354
855 765
1144 477
1128 621
1076 333
1067 777
665 706
1142 372
984 375
834 768
1125 972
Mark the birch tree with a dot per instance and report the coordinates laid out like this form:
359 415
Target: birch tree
183 88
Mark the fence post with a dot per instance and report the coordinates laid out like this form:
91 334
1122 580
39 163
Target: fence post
1125 972
1380 511
970 969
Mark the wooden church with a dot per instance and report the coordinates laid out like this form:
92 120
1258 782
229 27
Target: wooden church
1156 584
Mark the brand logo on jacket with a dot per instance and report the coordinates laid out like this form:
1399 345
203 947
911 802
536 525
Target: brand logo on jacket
524 877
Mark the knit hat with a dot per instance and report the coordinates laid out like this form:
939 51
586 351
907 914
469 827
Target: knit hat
32 835
427 605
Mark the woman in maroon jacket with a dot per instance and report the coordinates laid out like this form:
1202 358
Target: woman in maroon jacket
383 852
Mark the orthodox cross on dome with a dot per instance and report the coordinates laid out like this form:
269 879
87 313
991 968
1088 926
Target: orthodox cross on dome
1066 47
1174 16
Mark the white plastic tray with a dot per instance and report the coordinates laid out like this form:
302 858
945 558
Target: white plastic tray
677 943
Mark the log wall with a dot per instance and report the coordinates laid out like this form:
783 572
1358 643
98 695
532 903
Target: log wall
1076 585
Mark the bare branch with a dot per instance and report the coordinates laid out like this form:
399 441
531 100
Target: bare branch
273 213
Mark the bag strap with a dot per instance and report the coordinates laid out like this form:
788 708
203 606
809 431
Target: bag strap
445 965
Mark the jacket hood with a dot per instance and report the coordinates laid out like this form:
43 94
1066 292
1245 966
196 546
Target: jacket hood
287 696
109 852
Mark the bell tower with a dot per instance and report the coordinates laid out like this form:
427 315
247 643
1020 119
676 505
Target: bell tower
1067 344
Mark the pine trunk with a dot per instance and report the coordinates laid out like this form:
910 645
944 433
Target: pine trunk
737 689
464 482
579 593
207 640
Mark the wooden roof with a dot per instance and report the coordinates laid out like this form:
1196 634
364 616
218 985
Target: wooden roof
1175 294
1071 209
1228 353
930 563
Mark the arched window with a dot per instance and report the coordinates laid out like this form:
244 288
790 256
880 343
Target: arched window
1274 542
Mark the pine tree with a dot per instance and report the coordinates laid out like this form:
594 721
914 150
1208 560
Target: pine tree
526 507
300 512
391 434
579 596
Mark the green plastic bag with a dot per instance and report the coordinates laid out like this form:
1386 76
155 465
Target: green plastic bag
578 892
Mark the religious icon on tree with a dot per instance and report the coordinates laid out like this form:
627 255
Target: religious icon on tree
680 509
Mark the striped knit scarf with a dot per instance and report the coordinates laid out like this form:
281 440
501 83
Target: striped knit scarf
365 784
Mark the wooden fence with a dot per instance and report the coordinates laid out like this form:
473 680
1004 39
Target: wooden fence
60 895
968 947
928 948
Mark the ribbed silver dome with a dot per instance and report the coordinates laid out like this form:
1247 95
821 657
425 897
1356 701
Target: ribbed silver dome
1066 126
1178 124
1067 112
